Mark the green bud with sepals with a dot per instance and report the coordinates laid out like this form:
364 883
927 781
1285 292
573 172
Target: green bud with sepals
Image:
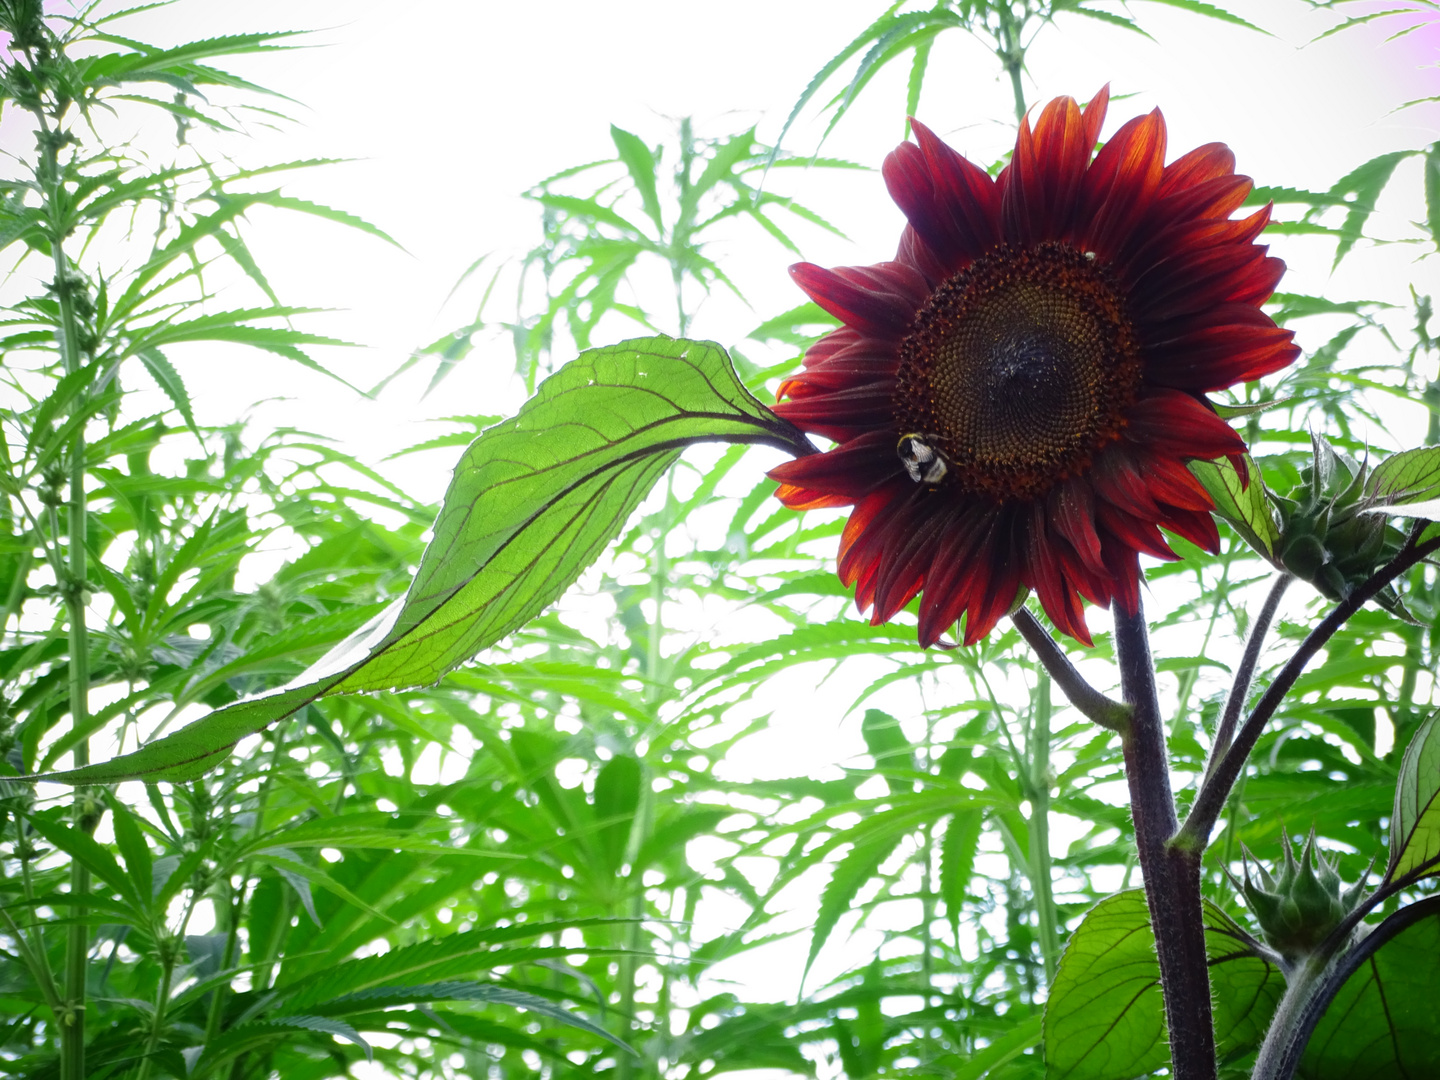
1331 535
1302 901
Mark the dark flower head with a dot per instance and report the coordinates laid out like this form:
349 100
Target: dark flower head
1015 397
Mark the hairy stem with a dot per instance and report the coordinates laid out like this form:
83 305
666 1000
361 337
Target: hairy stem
1245 673
1090 702
1171 874
1213 792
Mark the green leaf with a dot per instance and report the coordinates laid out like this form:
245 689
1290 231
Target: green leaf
850 874
1405 478
1244 508
885 741
1105 1018
1380 1024
1432 191
470 991
640 161
164 373
1415 821
1210 11
533 502
617 794
131 841
957 861
81 847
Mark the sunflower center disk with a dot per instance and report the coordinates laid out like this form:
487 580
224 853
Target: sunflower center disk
1016 371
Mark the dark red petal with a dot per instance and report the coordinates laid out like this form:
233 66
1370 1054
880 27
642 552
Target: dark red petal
870 516
914 251
1042 182
1071 506
1124 565
1046 575
1180 424
1213 357
1204 163
1197 526
1004 561
1120 184
879 299
852 470
1149 266
953 205
1172 483
1203 280
1094 114
1115 477
903 569
842 414
1138 534
954 572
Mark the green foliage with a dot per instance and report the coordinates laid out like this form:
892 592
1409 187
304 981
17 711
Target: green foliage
533 502
1105 1019
511 867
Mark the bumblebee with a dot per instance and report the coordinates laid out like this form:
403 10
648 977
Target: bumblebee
922 461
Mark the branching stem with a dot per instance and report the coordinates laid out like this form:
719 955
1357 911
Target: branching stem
1245 673
1090 702
1210 802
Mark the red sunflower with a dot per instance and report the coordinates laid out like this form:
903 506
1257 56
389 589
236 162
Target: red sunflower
1014 398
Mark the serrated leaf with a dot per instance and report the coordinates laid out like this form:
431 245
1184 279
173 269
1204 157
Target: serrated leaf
471 991
849 876
164 374
1432 191
533 502
1244 508
1232 412
640 162
1415 820
1405 478
1105 1018
957 861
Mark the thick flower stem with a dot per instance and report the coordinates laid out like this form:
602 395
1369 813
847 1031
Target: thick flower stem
1171 873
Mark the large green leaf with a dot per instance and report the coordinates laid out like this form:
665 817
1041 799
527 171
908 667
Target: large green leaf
1105 1019
1243 506
1415 822
1381 1022
533 502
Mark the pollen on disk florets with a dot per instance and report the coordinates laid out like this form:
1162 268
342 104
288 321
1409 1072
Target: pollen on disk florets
1019 368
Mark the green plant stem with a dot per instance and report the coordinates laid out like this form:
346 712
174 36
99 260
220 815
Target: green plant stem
1171 872
72 1028
1245 673
1012 56
1041 869
1215 790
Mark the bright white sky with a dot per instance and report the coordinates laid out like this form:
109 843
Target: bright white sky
453 112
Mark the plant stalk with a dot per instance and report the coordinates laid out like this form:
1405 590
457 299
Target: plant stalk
77 946
1245 673
1171 873
1041 869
